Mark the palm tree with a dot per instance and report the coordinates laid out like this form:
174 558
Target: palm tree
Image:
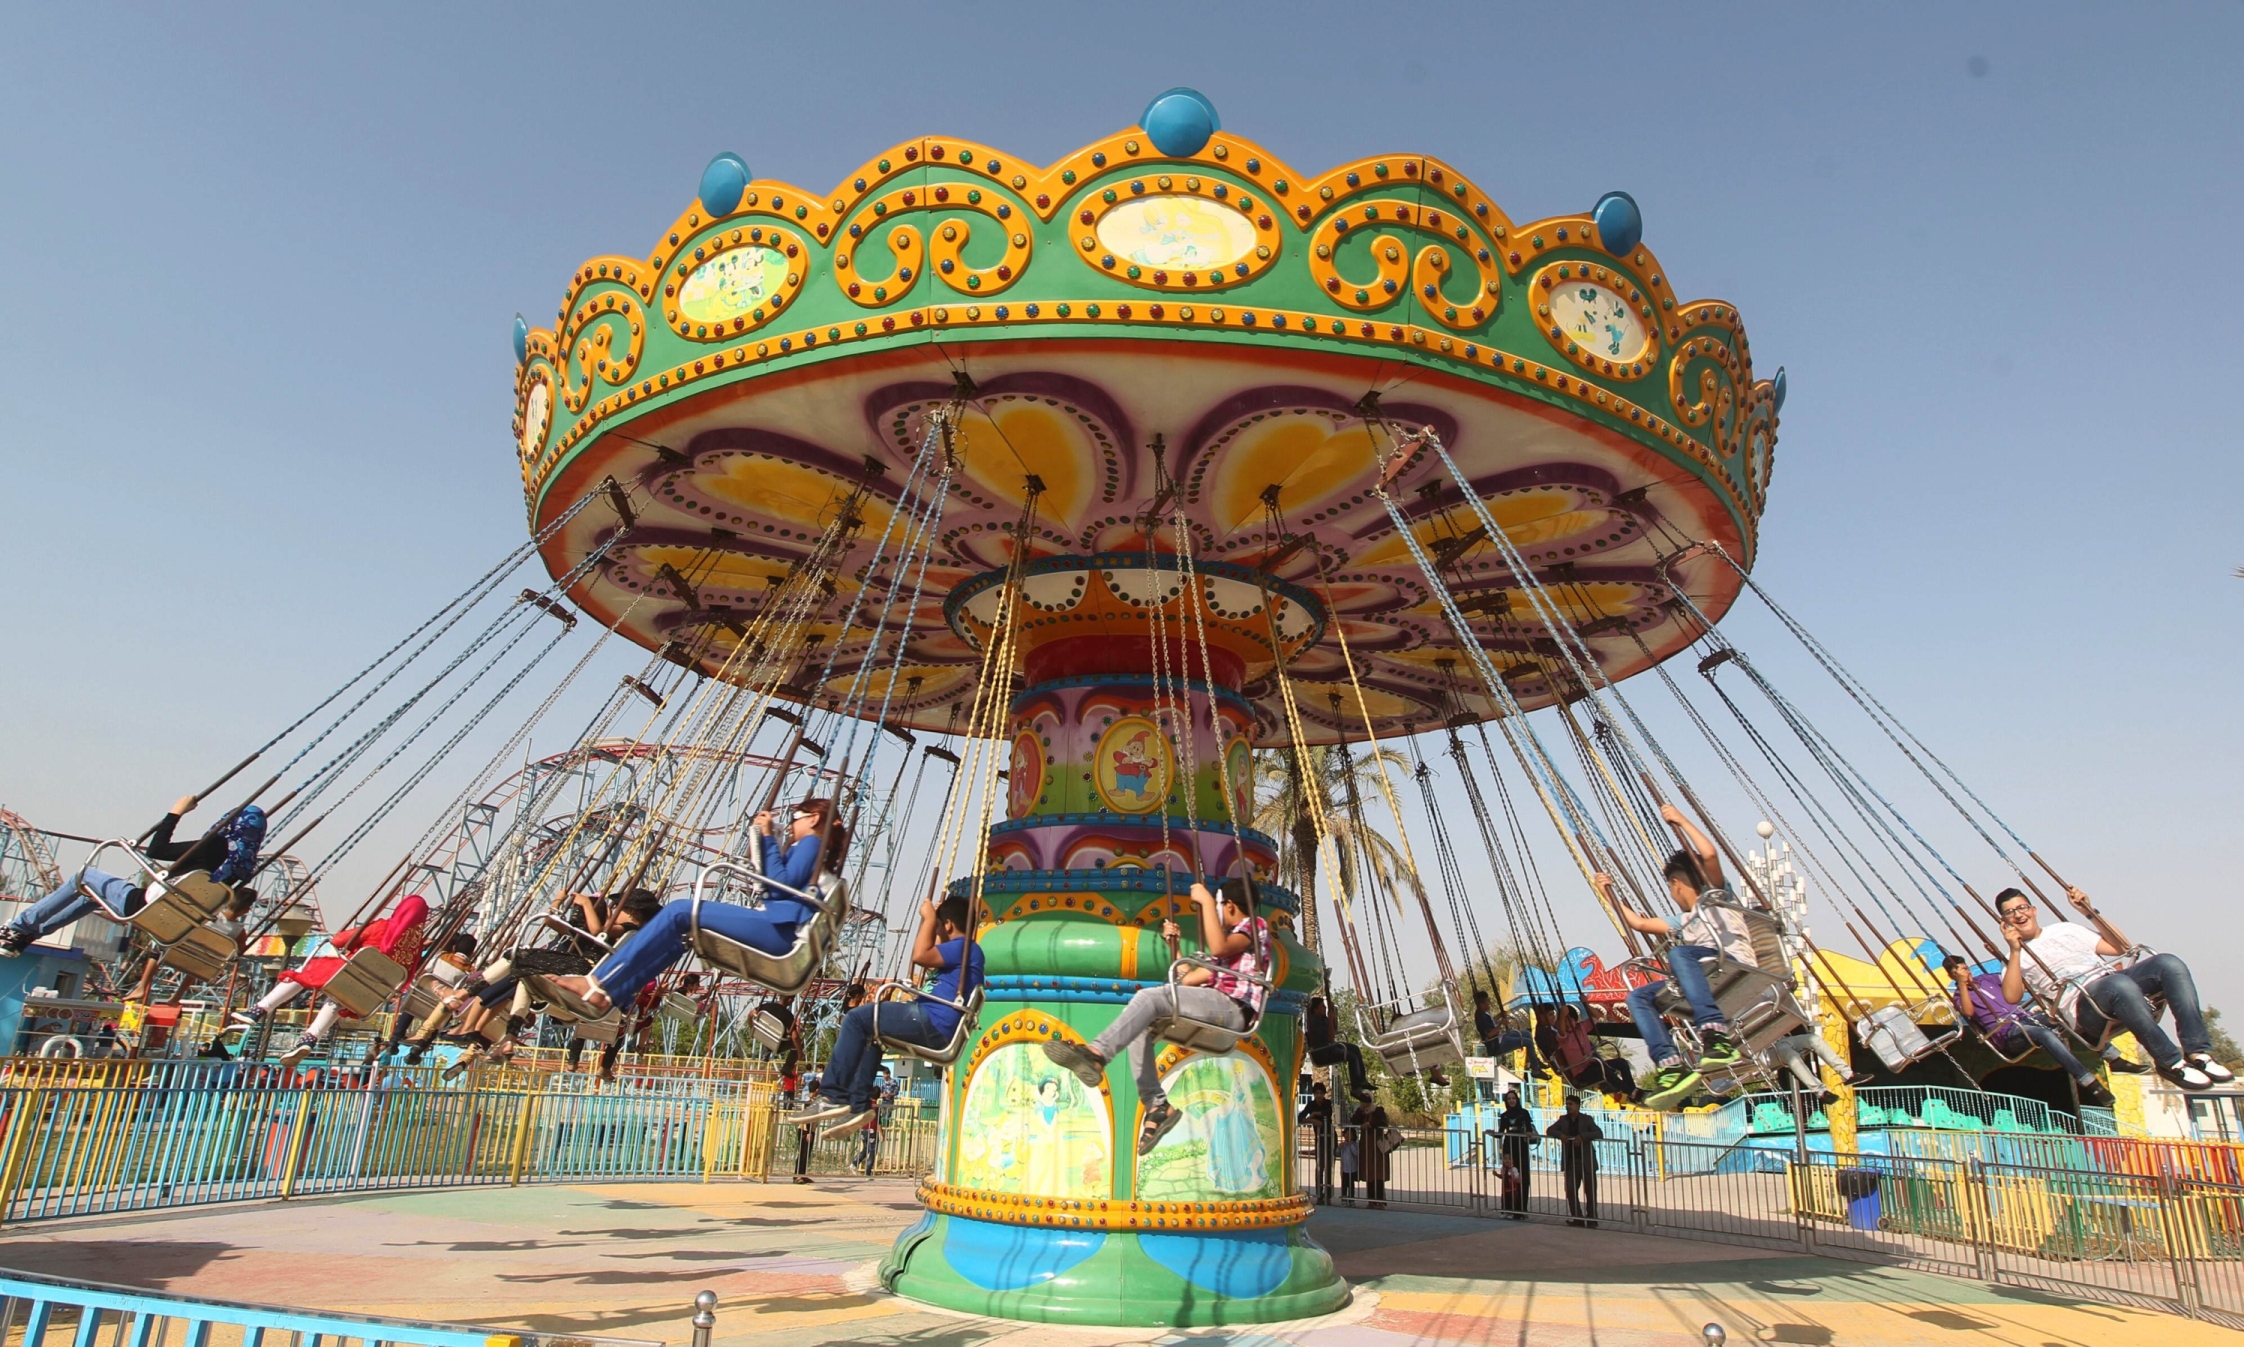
1341 783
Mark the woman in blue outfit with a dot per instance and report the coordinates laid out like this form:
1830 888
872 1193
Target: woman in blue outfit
815 842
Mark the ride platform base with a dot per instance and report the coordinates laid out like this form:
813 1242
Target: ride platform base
1129 1279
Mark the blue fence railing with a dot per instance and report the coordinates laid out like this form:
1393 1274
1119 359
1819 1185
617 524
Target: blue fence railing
47 1312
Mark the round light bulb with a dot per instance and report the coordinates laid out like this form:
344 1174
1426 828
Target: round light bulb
1765 828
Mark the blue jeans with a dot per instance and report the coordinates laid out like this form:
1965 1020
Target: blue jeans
65 905
2124 997
669 937
2044 1035
1690 979
850 1072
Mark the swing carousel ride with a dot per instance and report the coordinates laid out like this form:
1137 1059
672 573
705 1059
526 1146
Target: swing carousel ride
1123 469
1024 515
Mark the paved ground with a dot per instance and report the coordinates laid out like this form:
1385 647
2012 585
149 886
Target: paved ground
793 1265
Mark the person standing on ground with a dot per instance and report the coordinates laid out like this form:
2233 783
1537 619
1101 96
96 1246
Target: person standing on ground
1578 1135
1515 1127
1372 1152
1316 1115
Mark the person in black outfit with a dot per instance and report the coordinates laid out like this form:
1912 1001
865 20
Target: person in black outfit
228 852
1316 1114
605 925
1515 1127
1326 1048
1371 1144
1577 1135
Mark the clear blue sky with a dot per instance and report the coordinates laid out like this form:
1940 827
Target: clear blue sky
261 263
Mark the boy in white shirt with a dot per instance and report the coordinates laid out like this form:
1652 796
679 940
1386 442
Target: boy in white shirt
2074 967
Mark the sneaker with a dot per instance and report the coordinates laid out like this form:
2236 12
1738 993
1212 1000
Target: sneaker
2093 1094
1857 1079
295 1056
2218 1074
1671 1087
1436 1078
2186 1076
855 1122
247 1019
1716 1049
15 940
819 1109
1077 1058
414 1053
1826 1099
2124 1067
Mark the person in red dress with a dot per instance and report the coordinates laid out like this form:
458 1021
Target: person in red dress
401 935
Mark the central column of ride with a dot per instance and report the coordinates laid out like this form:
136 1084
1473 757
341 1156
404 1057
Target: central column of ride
1129 761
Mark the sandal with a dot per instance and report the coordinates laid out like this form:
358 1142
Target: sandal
1158 1125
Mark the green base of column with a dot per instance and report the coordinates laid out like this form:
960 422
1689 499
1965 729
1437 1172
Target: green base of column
1114 1278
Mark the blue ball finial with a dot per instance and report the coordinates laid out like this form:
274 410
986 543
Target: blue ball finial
723 182
1179 122
1620 225
521 339
1776 390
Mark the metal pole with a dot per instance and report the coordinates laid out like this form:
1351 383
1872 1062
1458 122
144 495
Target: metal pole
704 1318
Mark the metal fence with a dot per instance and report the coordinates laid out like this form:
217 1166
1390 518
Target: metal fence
74 1149
46 1312
2152 1224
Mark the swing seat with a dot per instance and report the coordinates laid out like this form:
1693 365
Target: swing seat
428 992
602 1029
767 1028
1202 1035
1893 1032
677 1007
786 974
1756 998
562 1003
969 1015
202 953
1420 1040
175 906
361 985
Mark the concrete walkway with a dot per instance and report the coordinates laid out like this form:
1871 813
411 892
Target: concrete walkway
794 1265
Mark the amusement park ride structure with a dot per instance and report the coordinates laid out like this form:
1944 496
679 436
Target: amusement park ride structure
1027 515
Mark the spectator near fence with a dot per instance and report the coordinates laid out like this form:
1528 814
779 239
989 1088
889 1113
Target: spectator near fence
1578 1135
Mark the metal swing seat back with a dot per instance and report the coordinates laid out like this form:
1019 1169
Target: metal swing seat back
1206 1036
366 980
560 1002
1897 1035
177 905
1419 1040
786 974
1755 998
969 1017
202 953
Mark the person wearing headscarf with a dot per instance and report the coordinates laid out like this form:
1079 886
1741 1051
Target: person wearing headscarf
228 851
401 936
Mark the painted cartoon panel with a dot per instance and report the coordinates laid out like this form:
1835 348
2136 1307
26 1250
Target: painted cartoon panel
1231 1144
1030 1128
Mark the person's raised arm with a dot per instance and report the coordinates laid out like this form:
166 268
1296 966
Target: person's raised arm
589 907
1962 974
2013 973
2111 943
926 949
1710 860
1642 925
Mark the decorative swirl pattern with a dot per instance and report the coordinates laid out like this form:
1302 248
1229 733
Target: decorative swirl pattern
1425 273
590 338
951 236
